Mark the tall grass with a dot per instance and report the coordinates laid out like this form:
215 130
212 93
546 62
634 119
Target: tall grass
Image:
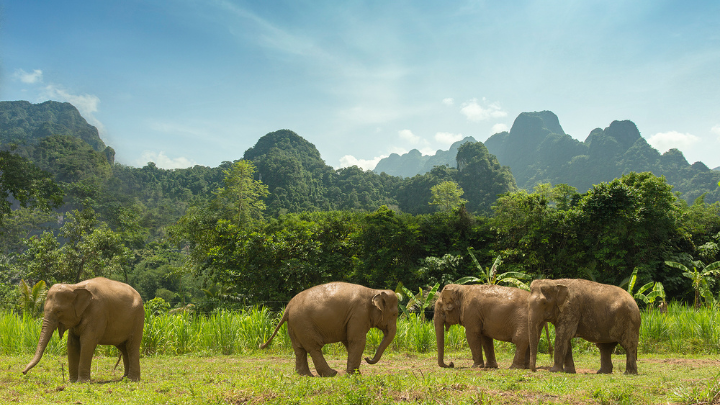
680 330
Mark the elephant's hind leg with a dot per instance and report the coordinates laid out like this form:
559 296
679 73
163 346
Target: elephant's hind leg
126 361
321 365
301 362
606 349
631 358
489 348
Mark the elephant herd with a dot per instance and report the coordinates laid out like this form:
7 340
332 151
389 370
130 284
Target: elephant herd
107 312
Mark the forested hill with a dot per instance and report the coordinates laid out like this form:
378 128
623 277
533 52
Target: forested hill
538 150
56 138
24 123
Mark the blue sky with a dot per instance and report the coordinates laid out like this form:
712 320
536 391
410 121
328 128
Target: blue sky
183 82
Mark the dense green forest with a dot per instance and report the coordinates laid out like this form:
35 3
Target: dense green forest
262 228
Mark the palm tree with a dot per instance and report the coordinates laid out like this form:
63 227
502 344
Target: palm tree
700 278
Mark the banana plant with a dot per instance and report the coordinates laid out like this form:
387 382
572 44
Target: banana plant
701 279
489 275
32 299
655 288
416 302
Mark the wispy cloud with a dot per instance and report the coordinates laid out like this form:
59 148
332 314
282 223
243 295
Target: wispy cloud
87 104
408 136
448 101
716 130
499 128
36 76
447 139
365 164
473 111
163 161
663 141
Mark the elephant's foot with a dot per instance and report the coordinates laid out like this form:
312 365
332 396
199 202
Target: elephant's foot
570 370
556 369
327 373
604 370
478 365
491 365
518 366
354 371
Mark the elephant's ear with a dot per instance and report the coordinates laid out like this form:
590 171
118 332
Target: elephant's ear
562 295
380 302
82 300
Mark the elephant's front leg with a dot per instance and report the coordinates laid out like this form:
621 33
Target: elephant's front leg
87 349
569 364
475 341
606 349
563 348
355 348
73 351
489 348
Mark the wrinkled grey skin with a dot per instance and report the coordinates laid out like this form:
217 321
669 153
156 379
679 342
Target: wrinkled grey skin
338 312
487 312
599 313
93 312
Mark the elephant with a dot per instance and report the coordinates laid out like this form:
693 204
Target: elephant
93 312
599 313
338 312
487 312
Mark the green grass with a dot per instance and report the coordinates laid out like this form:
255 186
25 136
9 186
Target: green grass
214 359
260 377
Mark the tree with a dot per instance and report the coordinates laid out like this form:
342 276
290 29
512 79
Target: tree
24 182
32 298
701 279
447 195
242 195
490 275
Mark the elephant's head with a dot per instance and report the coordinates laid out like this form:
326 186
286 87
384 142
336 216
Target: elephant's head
64 307
447 313
384 314
548 299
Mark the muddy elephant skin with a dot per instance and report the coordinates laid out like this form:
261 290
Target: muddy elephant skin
599 313
94 312
338 312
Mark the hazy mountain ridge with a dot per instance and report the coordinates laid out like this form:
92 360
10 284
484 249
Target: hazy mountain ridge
413 162
538 150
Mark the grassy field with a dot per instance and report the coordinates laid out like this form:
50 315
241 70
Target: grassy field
213 360
257 378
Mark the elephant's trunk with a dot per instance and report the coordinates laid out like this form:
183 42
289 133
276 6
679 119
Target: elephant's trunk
388 337
48 328
534 329
439 321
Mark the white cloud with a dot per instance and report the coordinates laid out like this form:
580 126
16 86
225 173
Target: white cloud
365 164
31 78
476 112
446 138
163 161
663 141
716 130
407 135
499 128
448 101
87 104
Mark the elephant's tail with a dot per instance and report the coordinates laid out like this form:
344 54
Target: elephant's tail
282 321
